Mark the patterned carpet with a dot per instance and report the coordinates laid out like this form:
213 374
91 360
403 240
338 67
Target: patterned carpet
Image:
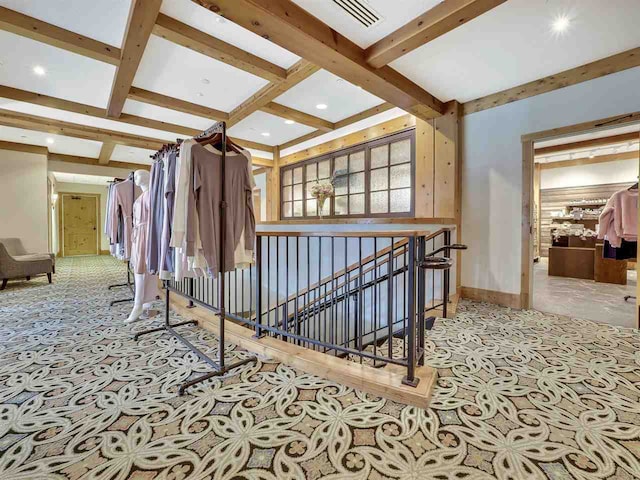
521 395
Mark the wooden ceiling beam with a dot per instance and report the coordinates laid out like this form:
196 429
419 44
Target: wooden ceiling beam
614 157
298 116
105 152
290 26
295 74
599 68
435 22
142 18
59 127
58 157
160 100
198 41
594 142
23 147
25 26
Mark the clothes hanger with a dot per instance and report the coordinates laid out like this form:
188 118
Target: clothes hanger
633 187
215 140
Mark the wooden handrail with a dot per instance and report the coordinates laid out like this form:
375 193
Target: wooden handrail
386 234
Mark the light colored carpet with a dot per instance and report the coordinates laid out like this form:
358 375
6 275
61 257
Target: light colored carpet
521 395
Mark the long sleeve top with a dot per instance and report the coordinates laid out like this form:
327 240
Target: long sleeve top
619 218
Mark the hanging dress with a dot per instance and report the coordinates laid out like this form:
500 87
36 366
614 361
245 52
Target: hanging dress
139 236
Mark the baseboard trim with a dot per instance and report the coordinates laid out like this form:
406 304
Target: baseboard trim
505 299
105 252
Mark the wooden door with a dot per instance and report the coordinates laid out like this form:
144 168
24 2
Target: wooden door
79 224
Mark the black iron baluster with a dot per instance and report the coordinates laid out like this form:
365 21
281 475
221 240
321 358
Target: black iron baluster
446 273
411 356
258 286
421 272
390 300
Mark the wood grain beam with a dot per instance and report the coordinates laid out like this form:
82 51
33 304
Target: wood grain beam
597 69
614 157
594 142
23 147
95 162
160 100
290 26
105 153
295 74
142 18
261 162
196 40
59 127
25 26
340 124
435 22
298 116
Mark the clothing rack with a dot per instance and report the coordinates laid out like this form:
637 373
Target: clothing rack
219 367
130 277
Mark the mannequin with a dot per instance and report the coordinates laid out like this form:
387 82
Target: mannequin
146 287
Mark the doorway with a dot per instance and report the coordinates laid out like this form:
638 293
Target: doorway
572 172
78 224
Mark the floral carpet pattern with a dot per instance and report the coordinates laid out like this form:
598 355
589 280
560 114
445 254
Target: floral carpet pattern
521 395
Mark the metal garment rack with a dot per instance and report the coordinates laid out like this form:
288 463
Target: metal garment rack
130 277
219 366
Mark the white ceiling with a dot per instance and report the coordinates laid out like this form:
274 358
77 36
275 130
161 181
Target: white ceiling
513 44
258 123
179 72
79 16
69 76
147 110
61 144
342 98
394 15
64 177
205 20
122 153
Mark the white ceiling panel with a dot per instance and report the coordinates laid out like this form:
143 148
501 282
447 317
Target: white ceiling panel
341 132
514 44
61 144
206 21
253 127
162 114
88 120
178 72
342 98
79 16
132 155
69 76
64 177
393 14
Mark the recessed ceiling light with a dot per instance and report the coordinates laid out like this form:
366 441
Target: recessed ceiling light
50 140
220 19
38 70
200 94
321 106
592 154
23 136
206 81
289 122
265 134
560 24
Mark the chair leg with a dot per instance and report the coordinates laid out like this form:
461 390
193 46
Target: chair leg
49 277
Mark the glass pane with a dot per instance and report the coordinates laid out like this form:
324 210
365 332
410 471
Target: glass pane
356 204
379 202
287 177
356 183
401 176
311 171
340 165
324 169
401 151
400 200
297 192
379 156
297 175
340 184
312 207
286 209
356 162
308 188
340 205
297 209
380 179
286 194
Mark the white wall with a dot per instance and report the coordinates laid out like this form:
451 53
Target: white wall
492 169
23 199
619 171
94 189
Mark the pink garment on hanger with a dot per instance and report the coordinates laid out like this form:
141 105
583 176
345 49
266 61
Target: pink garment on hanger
141 210
619 219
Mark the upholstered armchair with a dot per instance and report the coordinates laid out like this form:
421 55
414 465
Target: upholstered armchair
15 262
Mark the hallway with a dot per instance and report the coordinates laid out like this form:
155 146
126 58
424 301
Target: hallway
77 394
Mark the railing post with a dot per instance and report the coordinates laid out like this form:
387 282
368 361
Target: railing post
410 379
191 305
446 275
258 286
421 272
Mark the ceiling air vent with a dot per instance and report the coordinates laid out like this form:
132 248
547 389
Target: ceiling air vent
360 12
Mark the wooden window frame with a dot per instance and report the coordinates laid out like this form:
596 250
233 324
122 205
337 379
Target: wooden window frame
366 146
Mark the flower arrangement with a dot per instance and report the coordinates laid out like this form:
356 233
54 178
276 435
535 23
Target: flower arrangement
321 191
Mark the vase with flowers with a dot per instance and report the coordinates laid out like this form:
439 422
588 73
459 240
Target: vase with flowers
321 190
